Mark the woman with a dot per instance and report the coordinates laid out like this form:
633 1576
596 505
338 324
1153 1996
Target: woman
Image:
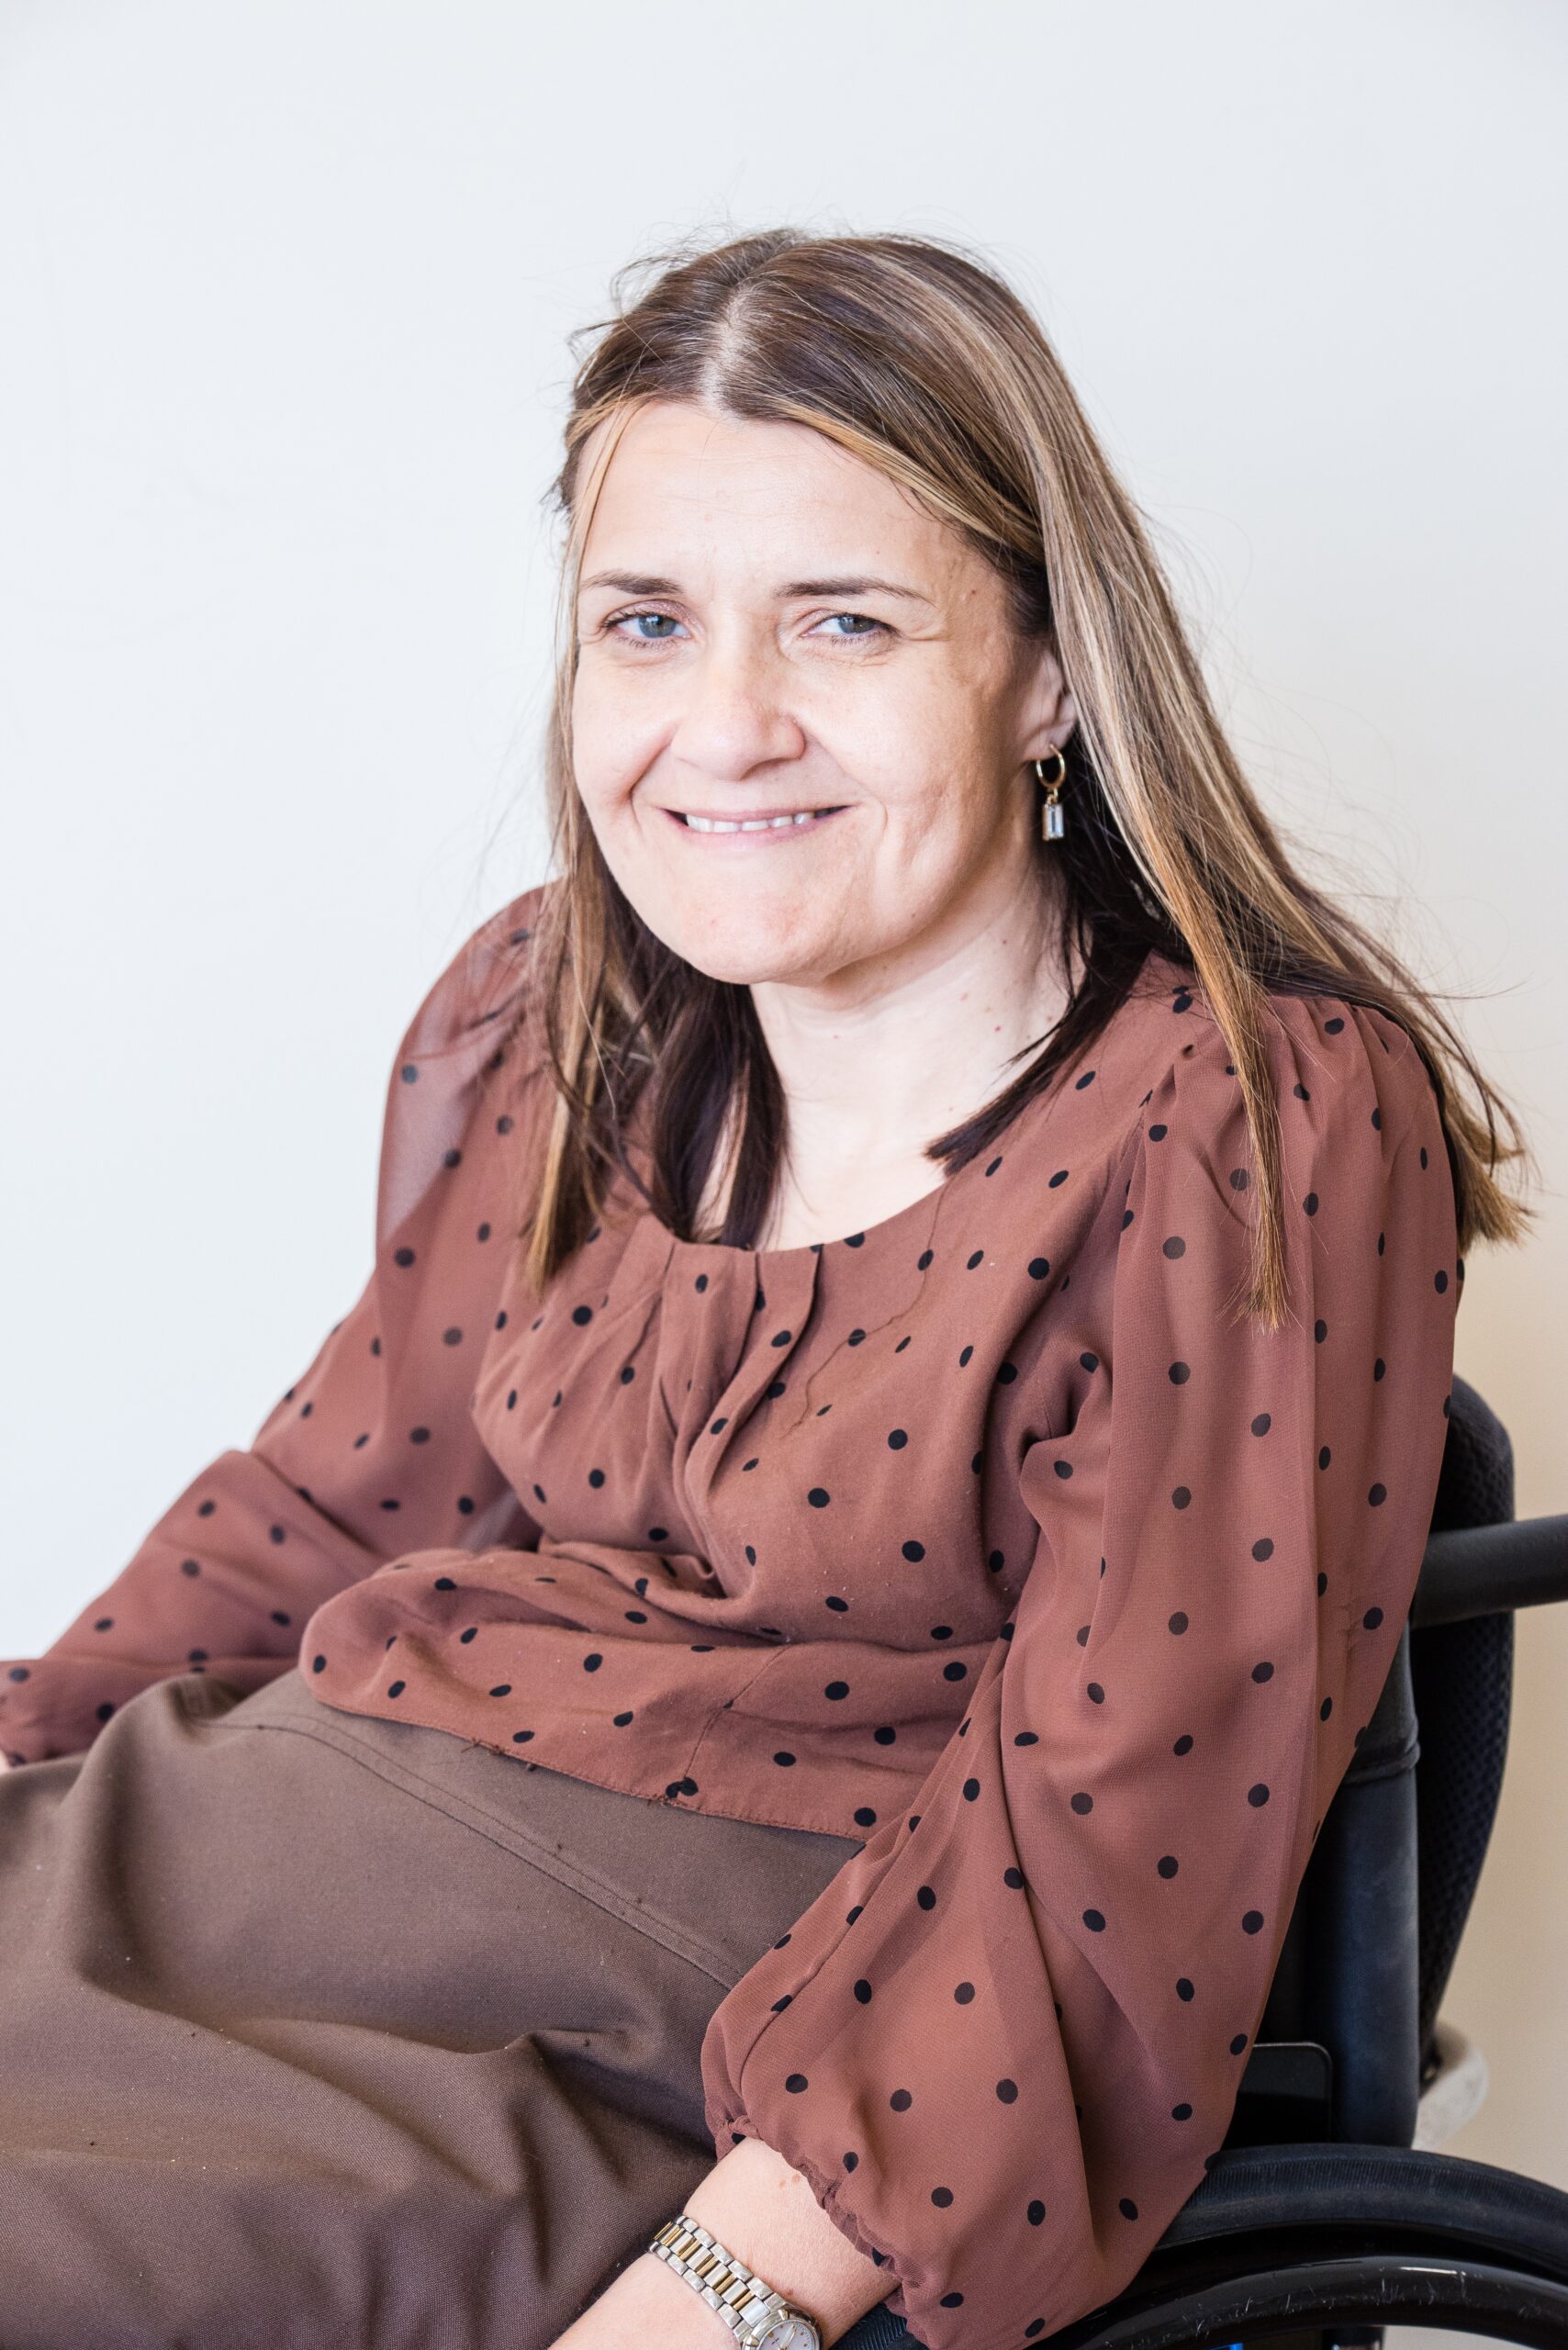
933 1491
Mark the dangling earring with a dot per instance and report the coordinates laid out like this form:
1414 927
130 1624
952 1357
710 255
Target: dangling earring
1050 810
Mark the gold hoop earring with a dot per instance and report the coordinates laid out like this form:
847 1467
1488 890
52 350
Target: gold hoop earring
1050 810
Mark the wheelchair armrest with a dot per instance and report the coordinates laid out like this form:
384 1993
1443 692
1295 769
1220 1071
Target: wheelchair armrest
1489 1570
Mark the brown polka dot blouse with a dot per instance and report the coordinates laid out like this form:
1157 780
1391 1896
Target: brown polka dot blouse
984 1537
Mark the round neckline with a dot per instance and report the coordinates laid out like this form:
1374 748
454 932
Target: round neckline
804 1248
929 1201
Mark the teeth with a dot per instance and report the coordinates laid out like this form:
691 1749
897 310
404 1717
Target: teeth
756 824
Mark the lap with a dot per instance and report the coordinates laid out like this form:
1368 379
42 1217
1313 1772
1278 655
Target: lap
349 2025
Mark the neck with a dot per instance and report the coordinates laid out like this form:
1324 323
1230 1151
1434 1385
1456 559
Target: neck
874 1066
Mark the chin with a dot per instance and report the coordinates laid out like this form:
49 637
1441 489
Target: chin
744 966
744 952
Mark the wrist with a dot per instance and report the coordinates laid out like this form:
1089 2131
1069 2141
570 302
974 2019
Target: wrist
754 2311
648 2303
765 2214
670 2309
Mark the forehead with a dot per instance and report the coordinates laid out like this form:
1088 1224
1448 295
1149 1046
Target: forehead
685 484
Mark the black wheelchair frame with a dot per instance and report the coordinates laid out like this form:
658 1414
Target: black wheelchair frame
1322 2220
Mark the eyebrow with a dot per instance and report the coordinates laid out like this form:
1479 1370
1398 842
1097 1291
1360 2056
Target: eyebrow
648 583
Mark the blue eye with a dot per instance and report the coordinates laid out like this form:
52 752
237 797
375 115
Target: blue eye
865 624
629 627
626 617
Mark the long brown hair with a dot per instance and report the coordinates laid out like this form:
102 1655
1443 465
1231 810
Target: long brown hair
911 354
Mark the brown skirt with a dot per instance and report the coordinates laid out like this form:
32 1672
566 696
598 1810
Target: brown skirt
317 2029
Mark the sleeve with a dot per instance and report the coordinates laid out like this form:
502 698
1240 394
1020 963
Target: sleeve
371 1450
1004 2042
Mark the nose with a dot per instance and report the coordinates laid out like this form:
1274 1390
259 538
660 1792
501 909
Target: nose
733 713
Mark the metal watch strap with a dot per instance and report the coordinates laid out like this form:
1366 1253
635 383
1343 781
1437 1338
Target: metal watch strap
748 2304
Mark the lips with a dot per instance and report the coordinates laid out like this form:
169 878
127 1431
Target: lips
751 828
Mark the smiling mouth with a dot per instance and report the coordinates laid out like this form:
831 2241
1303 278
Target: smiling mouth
800 822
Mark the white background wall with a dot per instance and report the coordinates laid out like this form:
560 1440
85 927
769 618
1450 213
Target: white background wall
282 298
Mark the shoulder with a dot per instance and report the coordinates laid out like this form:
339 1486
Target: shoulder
471 1042
1335 1066
487 988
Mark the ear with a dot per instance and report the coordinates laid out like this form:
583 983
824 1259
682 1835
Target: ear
1048 709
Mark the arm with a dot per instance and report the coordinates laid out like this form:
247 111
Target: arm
370 1451
1004 2042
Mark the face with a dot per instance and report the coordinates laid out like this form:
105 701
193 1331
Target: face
769 626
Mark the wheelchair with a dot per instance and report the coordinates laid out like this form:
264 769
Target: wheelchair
1327 2214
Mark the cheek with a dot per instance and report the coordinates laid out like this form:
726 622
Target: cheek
609 749
942 794
922 747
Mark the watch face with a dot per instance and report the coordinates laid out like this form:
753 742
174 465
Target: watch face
790 2334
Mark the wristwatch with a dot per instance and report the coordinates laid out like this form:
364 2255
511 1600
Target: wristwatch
758 2316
